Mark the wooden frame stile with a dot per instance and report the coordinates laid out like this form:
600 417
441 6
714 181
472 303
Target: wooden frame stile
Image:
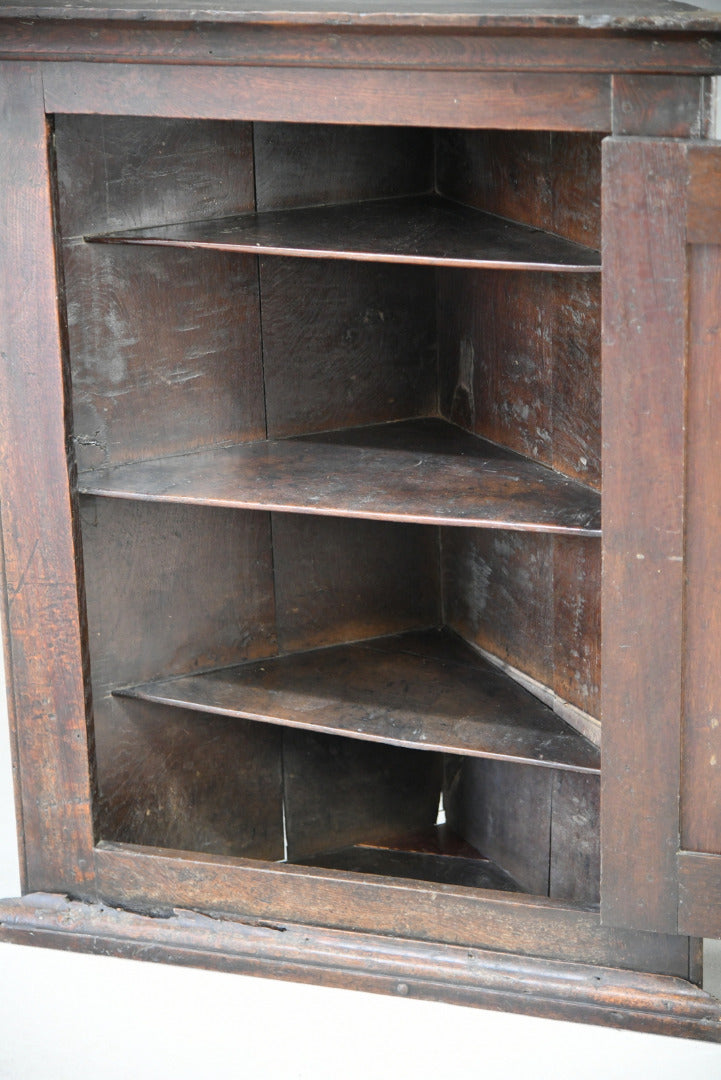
627 966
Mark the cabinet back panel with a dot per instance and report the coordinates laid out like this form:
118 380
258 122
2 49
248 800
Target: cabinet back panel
342 580
165 351
532 601
548 179
340 791
204 783
309 164
542 825
346 343
519 363
126 172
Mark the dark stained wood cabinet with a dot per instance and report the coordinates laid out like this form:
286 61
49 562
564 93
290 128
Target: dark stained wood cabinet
361 402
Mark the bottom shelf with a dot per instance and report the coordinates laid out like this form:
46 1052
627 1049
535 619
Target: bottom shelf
436 855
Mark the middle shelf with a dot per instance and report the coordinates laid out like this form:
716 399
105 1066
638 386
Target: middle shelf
420 689
425 471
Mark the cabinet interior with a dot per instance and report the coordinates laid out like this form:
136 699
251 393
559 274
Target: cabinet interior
337 438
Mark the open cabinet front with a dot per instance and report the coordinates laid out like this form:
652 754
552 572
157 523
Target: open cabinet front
313 618
662 569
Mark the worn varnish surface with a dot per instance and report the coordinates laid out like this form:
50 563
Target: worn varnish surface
701 761
421 471
421 969
395 697
43 601
620 14
425 230
643 546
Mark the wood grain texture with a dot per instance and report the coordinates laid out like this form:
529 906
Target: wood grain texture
201 783
548 180
457 48
398 697
627 15
699 905
519 363
701 738
300 165
542 829
165 351
346 344
327 95
339 792
670 105
338 580
490 979
424 471
126 172
531 601
152 880
422 231
419 866
575 857
504 810
643 551
44 609
703 212
498 594
149 613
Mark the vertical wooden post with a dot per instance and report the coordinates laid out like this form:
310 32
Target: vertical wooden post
43 616
644 387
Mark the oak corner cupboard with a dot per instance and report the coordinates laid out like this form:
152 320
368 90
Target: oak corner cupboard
360 378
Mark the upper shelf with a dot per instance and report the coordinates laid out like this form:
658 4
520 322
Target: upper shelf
423 229
426 471
426 690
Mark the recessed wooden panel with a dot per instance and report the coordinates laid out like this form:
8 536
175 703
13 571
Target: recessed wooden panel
172 778
338 791
123 172
165 351
346 343
338 580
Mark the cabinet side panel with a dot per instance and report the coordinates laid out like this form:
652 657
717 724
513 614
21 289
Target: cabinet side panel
44 622
701 760
644 375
